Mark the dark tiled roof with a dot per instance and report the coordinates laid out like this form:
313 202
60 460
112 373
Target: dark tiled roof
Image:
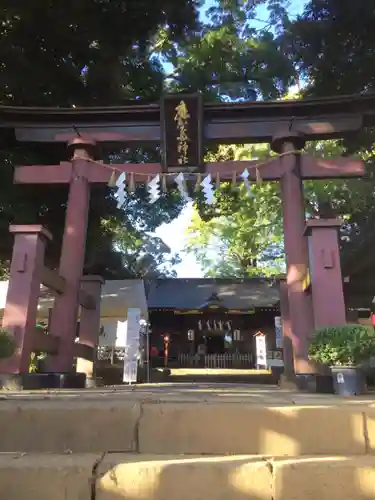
192 293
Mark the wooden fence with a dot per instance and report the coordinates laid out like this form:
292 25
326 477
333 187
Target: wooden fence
115 355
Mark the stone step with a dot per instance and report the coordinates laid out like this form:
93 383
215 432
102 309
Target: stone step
266 379
223 375
140 477
186 427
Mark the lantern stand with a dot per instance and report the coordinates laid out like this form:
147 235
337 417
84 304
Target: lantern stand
166 350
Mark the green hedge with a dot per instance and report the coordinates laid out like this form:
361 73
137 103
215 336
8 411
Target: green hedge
346 345
7 344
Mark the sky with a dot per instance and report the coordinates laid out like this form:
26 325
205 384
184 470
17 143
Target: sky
174 234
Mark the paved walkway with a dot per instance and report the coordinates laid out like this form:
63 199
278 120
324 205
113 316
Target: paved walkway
200 392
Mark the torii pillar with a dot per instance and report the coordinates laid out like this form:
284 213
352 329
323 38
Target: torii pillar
291 168
296 249
65 311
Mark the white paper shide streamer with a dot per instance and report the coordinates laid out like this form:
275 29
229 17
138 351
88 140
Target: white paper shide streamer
181 186
153 188
120 194
208 190
245 176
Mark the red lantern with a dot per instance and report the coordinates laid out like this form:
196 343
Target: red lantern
166 348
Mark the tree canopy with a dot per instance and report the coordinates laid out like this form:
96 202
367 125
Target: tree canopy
332 46
330 51
97 52
94 52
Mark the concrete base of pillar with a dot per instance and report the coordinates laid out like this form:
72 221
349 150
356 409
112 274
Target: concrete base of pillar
92 382
288 382
35 381
315 383
307 382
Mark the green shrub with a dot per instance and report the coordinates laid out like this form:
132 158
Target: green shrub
7 344
346 345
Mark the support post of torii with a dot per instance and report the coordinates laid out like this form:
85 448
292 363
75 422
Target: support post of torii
295 245
20 313
65 311
291 169
89 327
327 291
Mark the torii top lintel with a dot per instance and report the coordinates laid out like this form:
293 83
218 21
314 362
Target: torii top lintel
221 122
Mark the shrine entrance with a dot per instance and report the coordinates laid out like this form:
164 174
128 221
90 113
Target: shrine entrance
213 336
182 125
215 343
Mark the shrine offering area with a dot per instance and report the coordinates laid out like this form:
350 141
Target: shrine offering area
181 442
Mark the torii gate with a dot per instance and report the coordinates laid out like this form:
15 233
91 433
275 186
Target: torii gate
290 168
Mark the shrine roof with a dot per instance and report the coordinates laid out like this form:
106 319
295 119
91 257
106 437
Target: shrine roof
193 292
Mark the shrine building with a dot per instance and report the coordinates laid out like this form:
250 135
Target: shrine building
222 315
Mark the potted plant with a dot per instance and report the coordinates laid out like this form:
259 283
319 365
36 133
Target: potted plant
345 349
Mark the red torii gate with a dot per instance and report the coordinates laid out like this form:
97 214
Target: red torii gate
290 168
284 124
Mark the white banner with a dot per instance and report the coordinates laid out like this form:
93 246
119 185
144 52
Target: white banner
121 334
132 336
261 350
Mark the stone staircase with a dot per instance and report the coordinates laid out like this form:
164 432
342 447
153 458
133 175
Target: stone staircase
166 444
